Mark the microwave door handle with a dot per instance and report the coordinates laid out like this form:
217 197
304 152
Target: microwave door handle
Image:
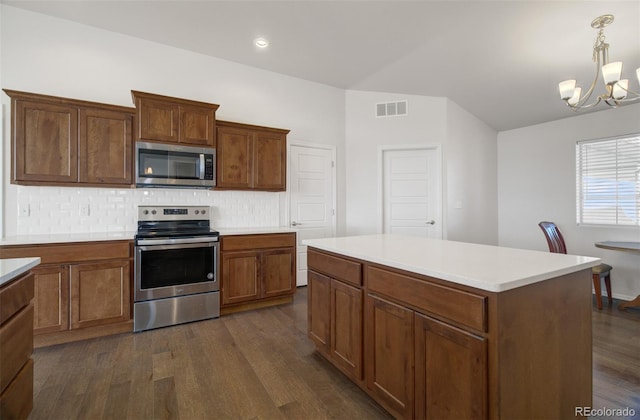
201 165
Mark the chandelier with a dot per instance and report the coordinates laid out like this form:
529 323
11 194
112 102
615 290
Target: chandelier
617 89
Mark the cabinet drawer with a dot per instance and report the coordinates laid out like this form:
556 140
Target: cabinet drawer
336 267
69 253
16 345
15 296
16 402
248 242
456 305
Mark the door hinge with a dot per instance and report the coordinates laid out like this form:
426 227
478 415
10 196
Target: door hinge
333 212
333 164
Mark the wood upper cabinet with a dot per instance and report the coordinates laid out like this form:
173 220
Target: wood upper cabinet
174 120
105 147
450 371
256 267
61 141
45 142
251 157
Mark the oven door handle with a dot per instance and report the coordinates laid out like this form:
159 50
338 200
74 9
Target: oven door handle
182 242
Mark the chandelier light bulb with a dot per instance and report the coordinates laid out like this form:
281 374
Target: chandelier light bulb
261 42
576 96
566 89
620 89
638 74
612 72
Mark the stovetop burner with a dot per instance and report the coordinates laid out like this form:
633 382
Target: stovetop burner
173 222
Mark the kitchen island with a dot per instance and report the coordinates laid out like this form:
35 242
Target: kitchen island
442 329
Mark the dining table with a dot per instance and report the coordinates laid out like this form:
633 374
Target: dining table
627 247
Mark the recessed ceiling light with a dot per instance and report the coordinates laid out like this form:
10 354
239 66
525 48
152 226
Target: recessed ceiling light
261 43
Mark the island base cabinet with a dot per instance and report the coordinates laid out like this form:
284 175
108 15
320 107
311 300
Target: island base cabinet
389 355
450 372
335 322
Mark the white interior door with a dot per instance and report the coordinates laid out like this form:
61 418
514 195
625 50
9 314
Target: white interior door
411 192
311 198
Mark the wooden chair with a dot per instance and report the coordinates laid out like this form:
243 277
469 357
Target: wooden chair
557 245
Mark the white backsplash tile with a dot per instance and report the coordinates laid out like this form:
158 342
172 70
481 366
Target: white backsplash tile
43 210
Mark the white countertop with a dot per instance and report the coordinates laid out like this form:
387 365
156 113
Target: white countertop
54 238
123 236
485 267
11 268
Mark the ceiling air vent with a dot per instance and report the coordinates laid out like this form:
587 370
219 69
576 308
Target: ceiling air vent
391 109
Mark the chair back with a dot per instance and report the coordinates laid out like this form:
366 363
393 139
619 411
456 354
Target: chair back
554 237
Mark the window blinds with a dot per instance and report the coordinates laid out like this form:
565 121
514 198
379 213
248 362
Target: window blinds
608 181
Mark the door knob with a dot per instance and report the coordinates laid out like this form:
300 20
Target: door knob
295 224
430 222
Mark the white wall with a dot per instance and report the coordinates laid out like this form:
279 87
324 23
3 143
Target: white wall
536 181
469 161
51 56
471 178
424 124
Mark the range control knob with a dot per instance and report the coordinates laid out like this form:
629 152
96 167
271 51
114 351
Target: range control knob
145 212
153 212
197 211
204 211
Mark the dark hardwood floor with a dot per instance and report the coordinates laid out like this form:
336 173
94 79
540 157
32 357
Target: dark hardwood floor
257 365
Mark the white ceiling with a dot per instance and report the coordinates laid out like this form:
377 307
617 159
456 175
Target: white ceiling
500 60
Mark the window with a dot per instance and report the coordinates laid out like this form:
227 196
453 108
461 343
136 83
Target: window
608 181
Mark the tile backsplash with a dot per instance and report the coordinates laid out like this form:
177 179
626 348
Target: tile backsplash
44 210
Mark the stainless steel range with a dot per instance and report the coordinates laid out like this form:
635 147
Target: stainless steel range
176 267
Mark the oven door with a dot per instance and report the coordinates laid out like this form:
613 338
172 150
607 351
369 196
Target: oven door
171 269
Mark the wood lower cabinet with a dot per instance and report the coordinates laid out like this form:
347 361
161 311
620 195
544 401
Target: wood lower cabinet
251 157
389 352
174 120
257 268
100 293
62 141
16 347
435 349
450 371
81 290
335 315
51 298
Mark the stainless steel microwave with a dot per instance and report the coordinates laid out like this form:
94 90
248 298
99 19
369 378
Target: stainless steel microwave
168 165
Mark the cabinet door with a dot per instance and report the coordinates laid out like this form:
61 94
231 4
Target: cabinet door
197 125
278 272
389 351
319 310
240 277
158 120
45 142
234 158
450 372
105 147
346 328
51 299
269 161
100 293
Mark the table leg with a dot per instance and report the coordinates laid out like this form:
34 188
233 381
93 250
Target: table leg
630 304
